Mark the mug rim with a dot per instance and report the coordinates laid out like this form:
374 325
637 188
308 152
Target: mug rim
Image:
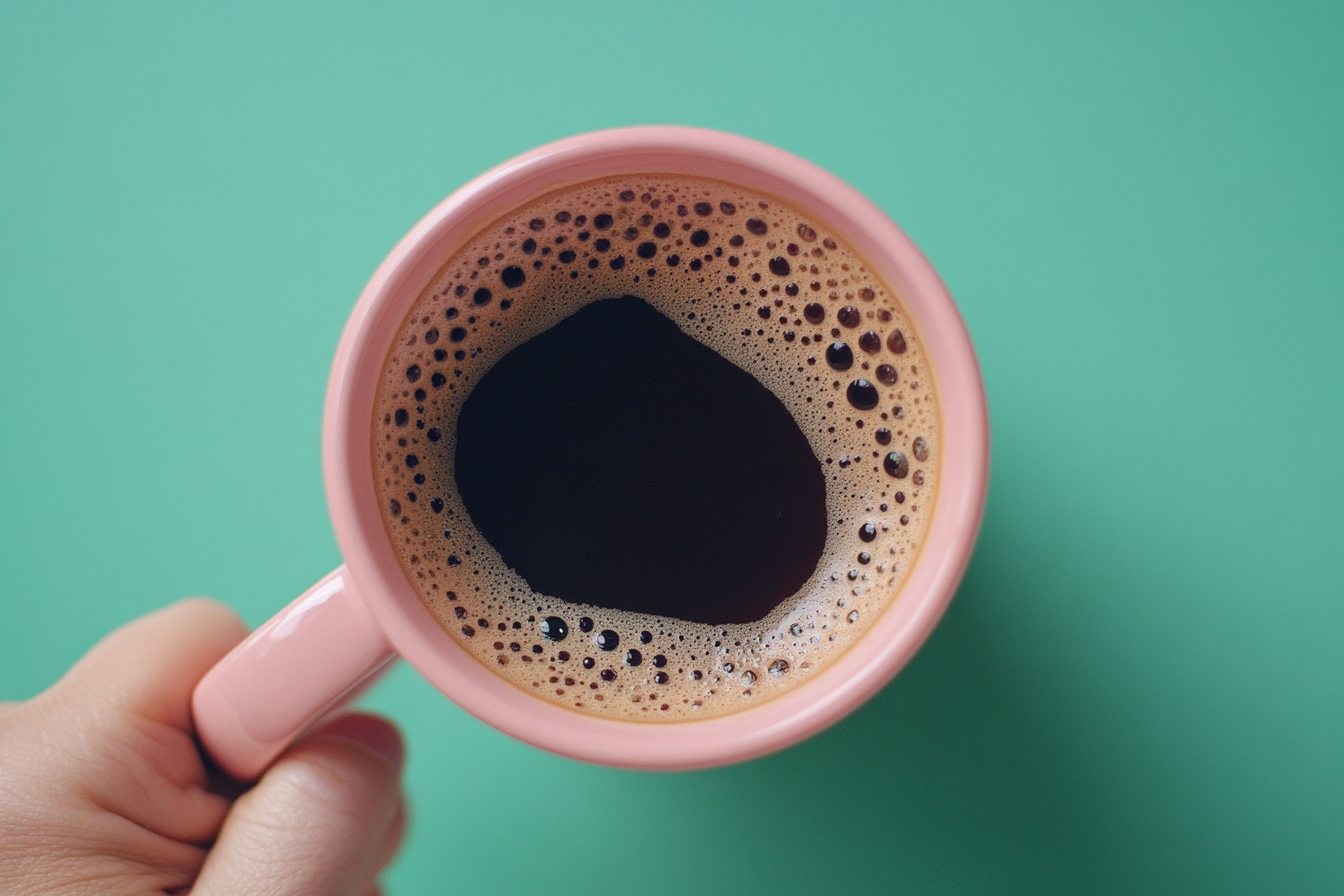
849 680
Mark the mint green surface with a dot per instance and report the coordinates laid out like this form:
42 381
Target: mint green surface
1140 210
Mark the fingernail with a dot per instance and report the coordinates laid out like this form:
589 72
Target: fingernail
373 732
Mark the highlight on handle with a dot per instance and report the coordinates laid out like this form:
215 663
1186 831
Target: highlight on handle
311 658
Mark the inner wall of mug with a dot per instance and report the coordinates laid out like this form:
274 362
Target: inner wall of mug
789 717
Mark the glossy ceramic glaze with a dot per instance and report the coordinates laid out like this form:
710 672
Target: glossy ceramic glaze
324 645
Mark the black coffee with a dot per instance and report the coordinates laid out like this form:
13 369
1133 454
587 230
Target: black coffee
613 460
656 447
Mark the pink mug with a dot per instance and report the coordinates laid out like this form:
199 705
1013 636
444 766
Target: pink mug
322 649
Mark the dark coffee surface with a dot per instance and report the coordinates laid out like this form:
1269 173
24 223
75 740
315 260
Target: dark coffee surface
615 461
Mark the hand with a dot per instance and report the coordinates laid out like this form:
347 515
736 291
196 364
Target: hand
104 790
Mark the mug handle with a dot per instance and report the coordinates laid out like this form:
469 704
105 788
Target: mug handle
314 656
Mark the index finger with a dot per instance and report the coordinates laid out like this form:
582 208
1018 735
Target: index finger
150 666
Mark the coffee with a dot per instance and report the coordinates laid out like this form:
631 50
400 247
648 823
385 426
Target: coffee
603 460
656 447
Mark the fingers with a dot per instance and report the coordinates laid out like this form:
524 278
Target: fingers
135 686
149 667
324 819
100 778
128 703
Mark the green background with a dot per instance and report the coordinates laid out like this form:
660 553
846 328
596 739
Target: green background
1140 210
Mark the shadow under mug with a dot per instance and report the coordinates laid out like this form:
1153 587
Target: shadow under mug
319 652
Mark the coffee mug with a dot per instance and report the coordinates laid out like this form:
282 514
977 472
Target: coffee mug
321 651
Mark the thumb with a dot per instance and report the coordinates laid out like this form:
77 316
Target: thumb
324 819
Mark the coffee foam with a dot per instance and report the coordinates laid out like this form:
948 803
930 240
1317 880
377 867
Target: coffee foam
765 286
